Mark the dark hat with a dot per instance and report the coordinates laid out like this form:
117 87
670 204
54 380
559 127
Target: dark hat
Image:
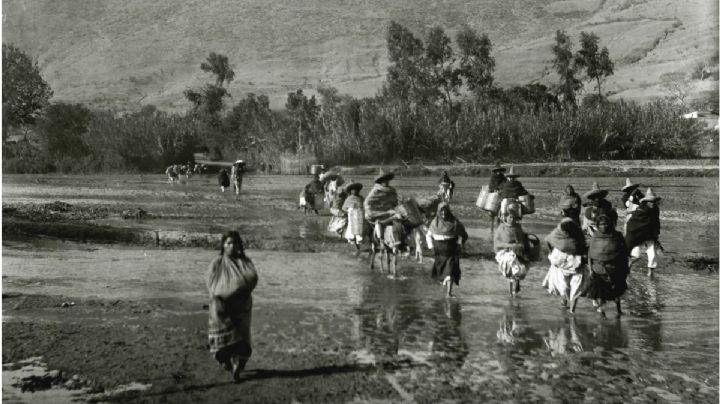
498 168
511 173
629 186
383 176
650 196
353 185
595 192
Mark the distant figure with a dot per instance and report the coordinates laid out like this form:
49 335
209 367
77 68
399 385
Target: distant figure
446 187
223 179
631 200
643 230
510 191
172 174
353 207
236 176
570 204
231 279
595 206
497 178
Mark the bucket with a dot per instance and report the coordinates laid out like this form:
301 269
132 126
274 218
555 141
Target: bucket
482 198
492 203
528 204
316 168
534 247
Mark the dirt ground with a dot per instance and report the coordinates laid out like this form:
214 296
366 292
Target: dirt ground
103 282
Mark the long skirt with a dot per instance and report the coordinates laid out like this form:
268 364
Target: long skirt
447 260
510 266
229 328
564 284
606 281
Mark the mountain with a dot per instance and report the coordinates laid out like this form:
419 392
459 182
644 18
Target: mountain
123 54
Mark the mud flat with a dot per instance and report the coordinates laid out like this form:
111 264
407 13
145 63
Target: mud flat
110 318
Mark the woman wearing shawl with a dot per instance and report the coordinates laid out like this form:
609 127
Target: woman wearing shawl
608 262
497 178
381 202
446 235
230 281
223 179
510 191
570 204
338 222
446 187
511 247
643 230
567 248
353 207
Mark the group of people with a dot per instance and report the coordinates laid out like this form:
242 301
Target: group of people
588 256
175 172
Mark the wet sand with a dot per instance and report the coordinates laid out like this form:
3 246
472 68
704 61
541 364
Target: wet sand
326 328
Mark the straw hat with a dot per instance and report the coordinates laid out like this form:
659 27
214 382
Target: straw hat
650 196
498 168
383 176
595 192
511 173
353 185
629 186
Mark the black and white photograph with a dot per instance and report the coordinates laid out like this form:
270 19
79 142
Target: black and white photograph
368 201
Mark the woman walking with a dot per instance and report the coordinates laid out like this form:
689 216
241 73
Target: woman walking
643 231
511 249
353 207
223 179
608 262
446 235
567 264
231 279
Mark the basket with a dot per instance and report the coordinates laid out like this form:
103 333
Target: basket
528 204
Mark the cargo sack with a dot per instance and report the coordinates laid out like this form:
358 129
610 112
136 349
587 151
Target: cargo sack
227 277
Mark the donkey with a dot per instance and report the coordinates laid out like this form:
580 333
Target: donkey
391 244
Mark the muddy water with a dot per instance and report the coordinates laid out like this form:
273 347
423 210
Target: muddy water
481 344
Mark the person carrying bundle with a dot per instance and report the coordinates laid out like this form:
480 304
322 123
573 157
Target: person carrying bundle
380 203
446 187
643 230
511 249
353 208
511 191
567 263
608 262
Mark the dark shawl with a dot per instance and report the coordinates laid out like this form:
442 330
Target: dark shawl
514 234
643 225
635 195
607 247
315 187
449 227
512 189
496 181
224 178
572 242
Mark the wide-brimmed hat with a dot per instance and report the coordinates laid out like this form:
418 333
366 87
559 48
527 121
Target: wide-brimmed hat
353 185
629 186
511 173
595 192
650 196
383 176
498 168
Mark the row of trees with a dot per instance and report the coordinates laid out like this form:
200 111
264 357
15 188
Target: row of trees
438 103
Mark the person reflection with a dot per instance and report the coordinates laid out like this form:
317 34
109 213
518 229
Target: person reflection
514 331
447 343
564 340
647 304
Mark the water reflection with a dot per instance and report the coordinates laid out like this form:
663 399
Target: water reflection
397 320
516 332
647 304
574 336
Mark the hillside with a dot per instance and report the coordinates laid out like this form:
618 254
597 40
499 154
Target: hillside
124 54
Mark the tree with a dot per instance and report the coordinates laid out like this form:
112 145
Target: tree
24 92
304 112
61 129
476 63
218 65
441 61
564 65
407 76
595 61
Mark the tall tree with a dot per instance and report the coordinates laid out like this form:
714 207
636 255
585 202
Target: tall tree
304 112
476 62
594 60
565 66
407 76
218 65
24 92
61 130
441 61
